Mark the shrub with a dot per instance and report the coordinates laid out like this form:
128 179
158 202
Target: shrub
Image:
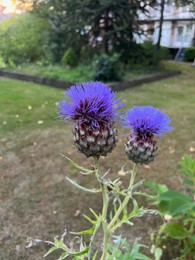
146 54
189 54
69 58
23 38
108 68
164 53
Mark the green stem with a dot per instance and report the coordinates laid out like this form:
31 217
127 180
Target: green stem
125 201
105 198
104 221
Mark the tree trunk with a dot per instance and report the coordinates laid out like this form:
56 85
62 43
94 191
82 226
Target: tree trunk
106 24
162 7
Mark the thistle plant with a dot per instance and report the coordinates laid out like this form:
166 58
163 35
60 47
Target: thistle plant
95 112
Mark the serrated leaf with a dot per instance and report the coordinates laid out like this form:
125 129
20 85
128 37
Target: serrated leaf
93 222
83 252
84 170
176 231
136 185
81 187
63 256
52 249
84 232
94 213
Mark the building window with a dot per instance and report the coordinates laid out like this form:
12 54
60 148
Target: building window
189 28
188 35
180 33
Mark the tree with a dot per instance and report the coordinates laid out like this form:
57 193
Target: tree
104 24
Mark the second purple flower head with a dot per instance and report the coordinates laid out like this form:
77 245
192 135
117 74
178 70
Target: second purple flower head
145 122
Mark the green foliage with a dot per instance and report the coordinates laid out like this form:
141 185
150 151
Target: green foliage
2 63
164 53
108 68
76 74
121 250
180 209
119 214
68 250
145 54
23 38
189 54
69 58
188 169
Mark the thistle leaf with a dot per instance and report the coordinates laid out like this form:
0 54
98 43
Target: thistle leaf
81 187
93 222
82 169
84 232
53 248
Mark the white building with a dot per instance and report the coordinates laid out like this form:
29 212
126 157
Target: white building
178 30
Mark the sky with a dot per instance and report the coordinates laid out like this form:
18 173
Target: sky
9 6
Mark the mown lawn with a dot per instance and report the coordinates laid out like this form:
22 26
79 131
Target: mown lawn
35 199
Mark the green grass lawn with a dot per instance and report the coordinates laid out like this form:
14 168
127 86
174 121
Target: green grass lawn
36 200
27 105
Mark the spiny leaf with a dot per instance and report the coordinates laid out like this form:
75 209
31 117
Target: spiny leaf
83 252
84 232
81 187
92 211
53 248
63 256
93 222
84 170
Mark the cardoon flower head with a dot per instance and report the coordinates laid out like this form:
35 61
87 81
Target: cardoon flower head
145 122
93 108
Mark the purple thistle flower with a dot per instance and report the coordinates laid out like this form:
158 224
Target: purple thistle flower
92 103
147 121
93 108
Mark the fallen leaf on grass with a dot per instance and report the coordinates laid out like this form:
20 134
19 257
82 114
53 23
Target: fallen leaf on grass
122 173
147 167
171 150
40 122
77 213
192 149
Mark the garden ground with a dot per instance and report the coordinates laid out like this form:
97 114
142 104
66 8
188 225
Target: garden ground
35 198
